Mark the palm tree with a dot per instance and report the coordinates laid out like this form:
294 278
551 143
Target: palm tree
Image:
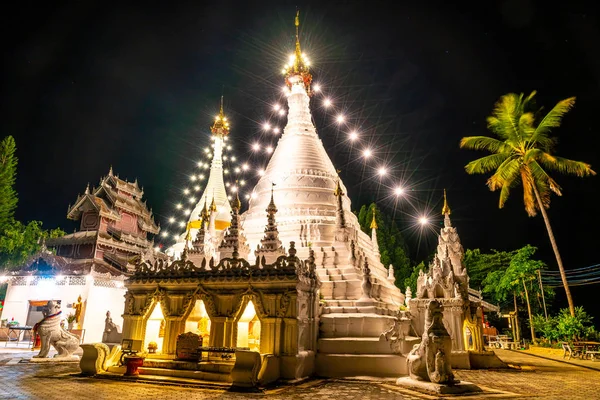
522 155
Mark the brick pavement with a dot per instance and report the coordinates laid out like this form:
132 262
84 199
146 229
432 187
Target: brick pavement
532 378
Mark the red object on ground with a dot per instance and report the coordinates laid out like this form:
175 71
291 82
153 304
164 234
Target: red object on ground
133 363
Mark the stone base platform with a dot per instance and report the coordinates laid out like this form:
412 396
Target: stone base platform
457 388
205 371
72 358
348 365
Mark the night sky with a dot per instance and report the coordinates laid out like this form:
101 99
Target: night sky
88 85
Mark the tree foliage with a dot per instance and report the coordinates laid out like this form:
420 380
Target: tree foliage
479 264
392 247
8 173
502 283
20 241
565 327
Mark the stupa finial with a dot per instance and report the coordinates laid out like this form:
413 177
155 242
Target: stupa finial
271 207
373 221
221 125
236 204
297 23
445 208
87 189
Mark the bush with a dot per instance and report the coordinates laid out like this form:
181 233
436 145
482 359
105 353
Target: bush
564 327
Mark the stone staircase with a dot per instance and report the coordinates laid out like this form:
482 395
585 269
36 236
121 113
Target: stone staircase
351 325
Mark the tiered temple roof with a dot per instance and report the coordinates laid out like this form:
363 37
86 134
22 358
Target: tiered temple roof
114 225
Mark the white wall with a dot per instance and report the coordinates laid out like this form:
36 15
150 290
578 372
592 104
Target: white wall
16 304
101 300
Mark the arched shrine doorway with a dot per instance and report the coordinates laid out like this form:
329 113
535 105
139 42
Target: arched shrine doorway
198 322
155 328
248 328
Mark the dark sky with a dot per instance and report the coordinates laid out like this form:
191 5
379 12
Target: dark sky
88 85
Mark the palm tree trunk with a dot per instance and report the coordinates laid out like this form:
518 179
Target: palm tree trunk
529 312
563 276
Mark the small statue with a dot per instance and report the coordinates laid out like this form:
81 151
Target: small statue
429 360
366 281
77 306
161 329
111 333
52 334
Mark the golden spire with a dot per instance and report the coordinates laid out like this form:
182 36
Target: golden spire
297 23
221 126
213 205
373 222
204 212
445 209
236 204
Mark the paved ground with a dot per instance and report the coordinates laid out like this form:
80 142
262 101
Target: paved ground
531 377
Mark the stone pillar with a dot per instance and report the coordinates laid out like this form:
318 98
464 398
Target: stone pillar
230 339
270 335
134 327
217 331
173 327
290 337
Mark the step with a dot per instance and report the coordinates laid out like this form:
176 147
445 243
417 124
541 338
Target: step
354 325
347 365
354 345
178 373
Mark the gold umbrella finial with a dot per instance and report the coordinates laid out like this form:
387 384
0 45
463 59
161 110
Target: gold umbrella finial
446 208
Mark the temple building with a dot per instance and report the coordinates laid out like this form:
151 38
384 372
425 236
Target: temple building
85 271
293 286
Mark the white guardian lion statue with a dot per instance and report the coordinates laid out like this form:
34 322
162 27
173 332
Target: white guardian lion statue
51 333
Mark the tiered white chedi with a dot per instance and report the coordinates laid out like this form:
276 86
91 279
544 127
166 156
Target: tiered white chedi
218 214
314 211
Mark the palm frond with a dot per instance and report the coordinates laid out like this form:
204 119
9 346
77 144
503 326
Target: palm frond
504 121
554 117
505 174
506 188
528 195
526 125
484 143
564 165
540 175
486 164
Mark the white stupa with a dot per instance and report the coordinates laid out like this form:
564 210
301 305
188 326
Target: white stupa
314 210
214 194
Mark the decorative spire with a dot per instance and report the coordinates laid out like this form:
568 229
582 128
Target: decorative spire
204 213
213 205
373 222
270 246
236 204
87 189
271 208
297 69
297 23
110 171
374 242
221 126
446 212
445 209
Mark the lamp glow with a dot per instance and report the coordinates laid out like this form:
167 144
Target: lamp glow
367 153
340 118
399 191
353 136
317 88
423 221
256 147
382 171
327 103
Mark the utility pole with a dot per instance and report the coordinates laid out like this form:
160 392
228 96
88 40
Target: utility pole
542 290
518 339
